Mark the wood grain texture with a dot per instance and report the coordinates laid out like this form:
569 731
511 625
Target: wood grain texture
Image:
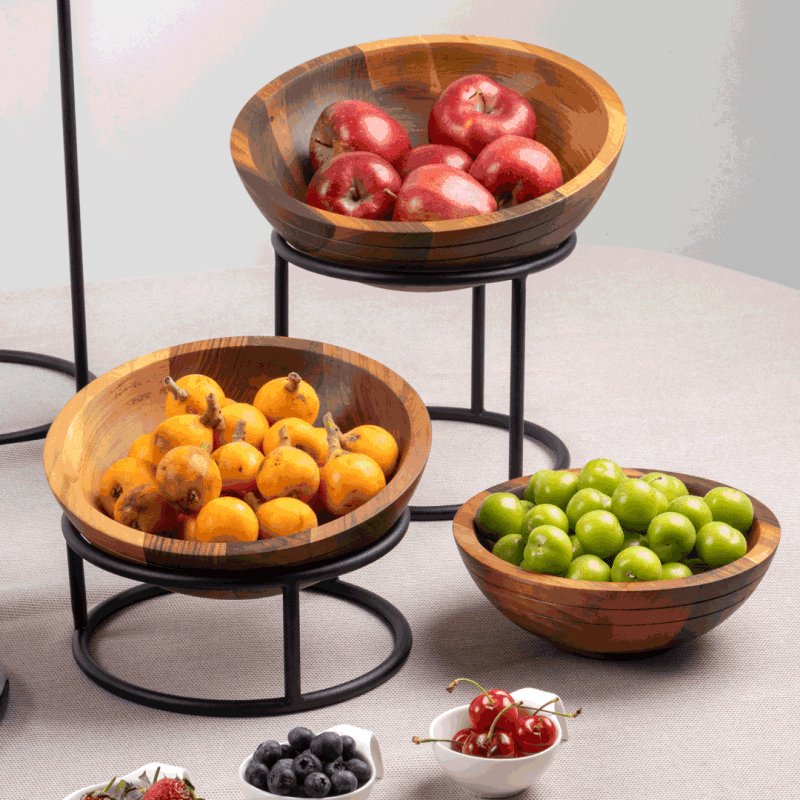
579 116
612 619
97 426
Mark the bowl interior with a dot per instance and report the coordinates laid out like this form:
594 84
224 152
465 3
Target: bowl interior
405 80
99 424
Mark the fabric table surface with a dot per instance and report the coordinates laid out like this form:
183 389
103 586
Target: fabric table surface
652 360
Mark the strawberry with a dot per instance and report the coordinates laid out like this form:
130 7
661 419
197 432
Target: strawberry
170 789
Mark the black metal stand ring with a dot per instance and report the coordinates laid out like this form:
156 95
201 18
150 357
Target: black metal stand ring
34 360
326 581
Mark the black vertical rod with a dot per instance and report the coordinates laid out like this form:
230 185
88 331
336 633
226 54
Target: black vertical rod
281 296
291 642
73 196
517 405
77 589
478 346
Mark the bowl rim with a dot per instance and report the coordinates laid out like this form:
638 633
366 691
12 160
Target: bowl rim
765 533
605 158
130 544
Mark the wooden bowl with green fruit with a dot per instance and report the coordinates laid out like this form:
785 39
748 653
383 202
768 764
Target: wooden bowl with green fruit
621 596
579 118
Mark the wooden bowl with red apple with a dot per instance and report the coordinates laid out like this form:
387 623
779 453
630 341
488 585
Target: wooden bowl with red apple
422 113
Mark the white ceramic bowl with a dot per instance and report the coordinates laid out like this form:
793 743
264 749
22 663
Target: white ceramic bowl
165 771
366 745
490 777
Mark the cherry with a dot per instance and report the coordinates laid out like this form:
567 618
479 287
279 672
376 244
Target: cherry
500 745
534 734
460 737
487 705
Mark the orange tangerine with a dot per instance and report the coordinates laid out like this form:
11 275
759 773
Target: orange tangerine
302 435
288 472
287 397
348 480
121 475
375 442
256 424
187 429
225 519
188 395
238 462
284 516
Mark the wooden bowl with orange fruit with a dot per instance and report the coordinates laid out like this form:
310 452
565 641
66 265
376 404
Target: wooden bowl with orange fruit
122 415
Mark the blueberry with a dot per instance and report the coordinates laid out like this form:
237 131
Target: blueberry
327 746
298 791
256 774
360 769
287 751
343 782
281 780
283 762
268 752
330 767
305 764
317 784
348 747
300 738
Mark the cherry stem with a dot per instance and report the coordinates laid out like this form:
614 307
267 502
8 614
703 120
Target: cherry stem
469 680
541 708
497 717
417 740
177 392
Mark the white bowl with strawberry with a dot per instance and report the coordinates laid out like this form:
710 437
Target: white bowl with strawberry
155 781
492 758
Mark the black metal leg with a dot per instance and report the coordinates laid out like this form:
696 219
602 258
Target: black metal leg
516 418
73 195
77 589
478 346
291 642
281 296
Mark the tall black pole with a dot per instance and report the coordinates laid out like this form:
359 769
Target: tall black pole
73 196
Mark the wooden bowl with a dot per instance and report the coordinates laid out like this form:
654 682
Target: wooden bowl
579 116
608 620
98 425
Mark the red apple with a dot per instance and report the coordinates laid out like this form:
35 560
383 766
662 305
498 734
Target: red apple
355 184
475 110
515 169
439 191
432 154
356 126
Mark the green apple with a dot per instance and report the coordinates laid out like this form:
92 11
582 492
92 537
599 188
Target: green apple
719 543
635 503
600 533
583 501
577 547
671 536
588 568
731 507
556 487
671 486
529 489
601 474
549 550
636 564
634 539
509 548
673 569
693 507
545 514
500 514
527 505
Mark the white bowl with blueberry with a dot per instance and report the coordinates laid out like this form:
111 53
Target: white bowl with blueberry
343 761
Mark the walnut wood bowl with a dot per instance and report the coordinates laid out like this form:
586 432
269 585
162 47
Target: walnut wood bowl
98 425
614 620
580 118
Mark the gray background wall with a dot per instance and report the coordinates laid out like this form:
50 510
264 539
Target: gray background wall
706 170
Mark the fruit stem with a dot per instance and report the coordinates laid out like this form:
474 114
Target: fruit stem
390 193
482 107
334 435
239 434
497 717
417 740
213 416
292 382
177 392
251 500
469 680
284 440
541 708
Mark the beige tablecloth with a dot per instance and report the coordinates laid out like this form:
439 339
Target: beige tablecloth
652 360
